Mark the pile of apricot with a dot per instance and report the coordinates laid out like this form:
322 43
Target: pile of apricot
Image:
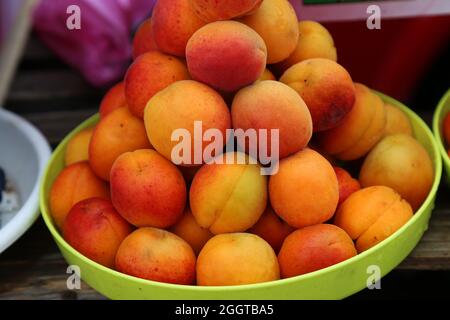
124 203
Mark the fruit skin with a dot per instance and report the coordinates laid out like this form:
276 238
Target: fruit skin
167 111
401 163
75 183
189 230
267 75
314 42
396 121
347 185
296 204
372 214
212 10
272 228
314 248
392 220
173 23
157 255
147 190
150 73
95 229
371 202
226 55
352 127
446 128
236 259
271 105
143 40
113 99
117 133
78 147
228 197
327 89
276 22
371 136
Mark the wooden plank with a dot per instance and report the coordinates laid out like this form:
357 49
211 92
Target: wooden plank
36 51
11 53
37 87
33 268
56 125
45 280
433 251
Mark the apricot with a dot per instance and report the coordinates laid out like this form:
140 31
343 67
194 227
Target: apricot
396 121
212 10
392 220
236 259
401 163
446 128
314 248
182 107
271 105
276 22
227 55
272 228
267 75
143 40
374 201
150 73
75 183
314 42
78 147
347 185
117 133
229 196
147 190
95 229
189 230
327 89
371 136
173 23
113 99
372 214
352 127
157 255
305 190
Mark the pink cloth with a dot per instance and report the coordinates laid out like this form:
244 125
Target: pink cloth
101 49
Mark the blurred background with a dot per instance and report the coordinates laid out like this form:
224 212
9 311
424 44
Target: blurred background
55 78
408 58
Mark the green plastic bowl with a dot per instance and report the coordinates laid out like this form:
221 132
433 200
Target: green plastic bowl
335 282
438 120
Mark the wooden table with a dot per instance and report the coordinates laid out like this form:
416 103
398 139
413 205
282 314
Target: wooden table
56 100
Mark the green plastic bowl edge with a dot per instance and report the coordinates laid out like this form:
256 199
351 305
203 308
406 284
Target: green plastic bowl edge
129 287
438 119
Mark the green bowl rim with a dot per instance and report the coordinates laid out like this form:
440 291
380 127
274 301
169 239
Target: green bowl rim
59 239
437 128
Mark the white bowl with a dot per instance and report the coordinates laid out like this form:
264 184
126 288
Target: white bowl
24 153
